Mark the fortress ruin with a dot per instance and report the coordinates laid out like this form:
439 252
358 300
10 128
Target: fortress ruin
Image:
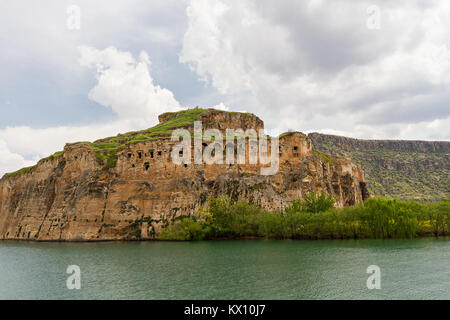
128 187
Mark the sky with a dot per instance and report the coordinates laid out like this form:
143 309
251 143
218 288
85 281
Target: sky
83 70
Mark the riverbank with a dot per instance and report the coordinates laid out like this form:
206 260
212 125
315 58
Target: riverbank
311 219
377 218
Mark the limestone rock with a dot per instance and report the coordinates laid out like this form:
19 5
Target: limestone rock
127 187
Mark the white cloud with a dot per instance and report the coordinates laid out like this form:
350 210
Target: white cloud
221 106
304 65
438 129
123 84
26 26
10 161
307 65
33 143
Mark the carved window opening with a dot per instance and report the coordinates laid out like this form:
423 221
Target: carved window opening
295 148
151 154
140 154
130 155
181 152
185 165
159 153
146 165
133 165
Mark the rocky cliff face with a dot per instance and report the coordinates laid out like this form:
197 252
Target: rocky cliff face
127 187
402 169
346 143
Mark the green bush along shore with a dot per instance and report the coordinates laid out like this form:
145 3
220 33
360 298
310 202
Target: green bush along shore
313 218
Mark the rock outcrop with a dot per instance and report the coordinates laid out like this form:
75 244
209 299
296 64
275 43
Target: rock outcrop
400 169
128 187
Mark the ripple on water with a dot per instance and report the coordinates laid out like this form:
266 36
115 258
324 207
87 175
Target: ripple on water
257 269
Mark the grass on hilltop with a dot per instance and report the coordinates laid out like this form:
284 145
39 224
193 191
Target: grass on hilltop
107 148
20 171
31 168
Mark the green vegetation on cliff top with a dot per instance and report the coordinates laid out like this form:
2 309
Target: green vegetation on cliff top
183 119
31 168
20 171
107 148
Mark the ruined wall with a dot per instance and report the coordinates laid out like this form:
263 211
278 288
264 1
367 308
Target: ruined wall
70 197
222 120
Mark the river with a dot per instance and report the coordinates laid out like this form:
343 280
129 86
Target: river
255 269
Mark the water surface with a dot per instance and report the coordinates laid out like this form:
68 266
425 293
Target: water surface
257 269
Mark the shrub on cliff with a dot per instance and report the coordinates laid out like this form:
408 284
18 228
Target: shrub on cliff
187 228
312 202
234 219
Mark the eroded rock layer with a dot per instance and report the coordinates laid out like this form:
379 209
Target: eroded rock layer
131 188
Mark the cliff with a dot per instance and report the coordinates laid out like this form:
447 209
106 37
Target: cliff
128 187
401 169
